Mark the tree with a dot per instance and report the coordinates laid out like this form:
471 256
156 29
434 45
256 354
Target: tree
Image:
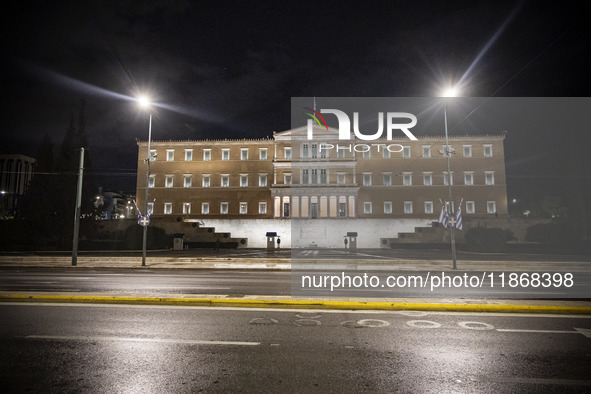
39 203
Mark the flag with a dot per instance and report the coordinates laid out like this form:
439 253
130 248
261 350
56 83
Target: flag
459 218
443 216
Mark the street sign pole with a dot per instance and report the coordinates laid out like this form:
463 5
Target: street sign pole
77 212
449 182
145 235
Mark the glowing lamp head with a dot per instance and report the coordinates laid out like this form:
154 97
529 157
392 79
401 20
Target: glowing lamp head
144 102
451 92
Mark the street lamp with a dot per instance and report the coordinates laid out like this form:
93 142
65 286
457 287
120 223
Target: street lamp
450 92
145 103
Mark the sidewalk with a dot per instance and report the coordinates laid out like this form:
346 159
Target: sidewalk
282 260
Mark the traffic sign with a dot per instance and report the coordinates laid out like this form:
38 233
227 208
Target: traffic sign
143 221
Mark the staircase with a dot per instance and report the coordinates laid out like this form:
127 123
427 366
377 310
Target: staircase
435 234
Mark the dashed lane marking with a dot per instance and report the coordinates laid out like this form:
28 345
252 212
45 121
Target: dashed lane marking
148 340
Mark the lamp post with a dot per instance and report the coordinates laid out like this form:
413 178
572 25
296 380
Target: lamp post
145 103
451 92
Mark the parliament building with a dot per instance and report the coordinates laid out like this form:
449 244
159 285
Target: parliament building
250 186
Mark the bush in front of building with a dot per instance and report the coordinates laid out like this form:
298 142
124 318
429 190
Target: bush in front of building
484 239
157 238
555 234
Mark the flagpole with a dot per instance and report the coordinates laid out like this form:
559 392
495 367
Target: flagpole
449 181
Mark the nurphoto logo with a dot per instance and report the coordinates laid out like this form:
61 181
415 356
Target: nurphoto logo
391 119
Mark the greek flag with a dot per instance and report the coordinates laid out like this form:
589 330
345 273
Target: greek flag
459 218
443 216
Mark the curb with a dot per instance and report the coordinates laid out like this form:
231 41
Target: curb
299 304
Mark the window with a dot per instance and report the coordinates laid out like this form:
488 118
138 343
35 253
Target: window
387 206
205 208
243 153
342 209
489 178
153 154
426 151
314 176
467 150
340 153
169 181
447 180
323 176
470 207
407 179
305 178
243 208
186 208
406 152
287 152
323 150
408 207
225 154
262 180
151 181
206 181
170 155
367 207
427 178
263 154
243 180
206 154
386 153
188 154
167 208
287 179
223 208
366 154
366 179
468 178
341 178
225 181
314 151
488 150
262 208
387 179
150 208
491 207
428 207
304 151
188 181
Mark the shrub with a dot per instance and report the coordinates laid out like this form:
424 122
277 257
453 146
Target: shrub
551 233
484 239
157 238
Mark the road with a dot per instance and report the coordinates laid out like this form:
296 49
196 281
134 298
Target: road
263 282
60 348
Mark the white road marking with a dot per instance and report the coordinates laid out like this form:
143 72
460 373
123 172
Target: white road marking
542 331
474 325
561 382
308 317
374 323
585 331
307 322
423 324
149 340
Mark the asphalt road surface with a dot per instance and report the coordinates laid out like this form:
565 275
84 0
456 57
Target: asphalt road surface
59 348
261 282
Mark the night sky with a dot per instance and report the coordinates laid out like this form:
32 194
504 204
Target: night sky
229 69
